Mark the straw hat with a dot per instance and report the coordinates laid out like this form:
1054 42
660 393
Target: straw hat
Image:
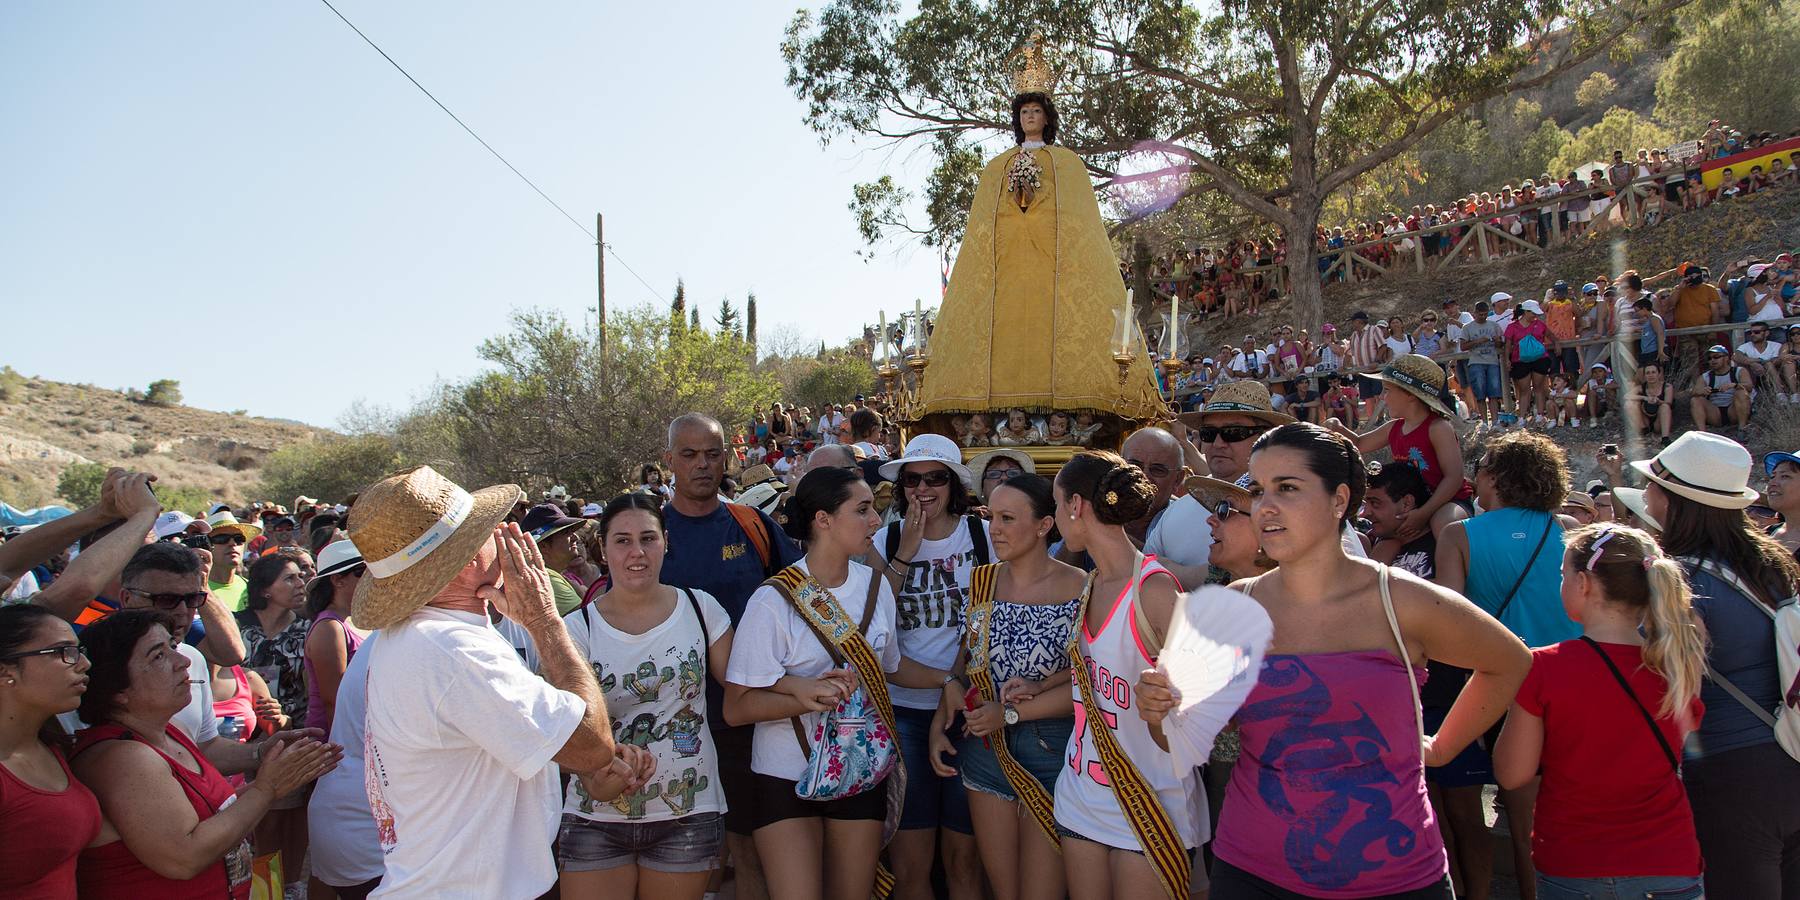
1243 398
224 522
1633 498
1209 490
1705 468
1420 377
1581 499
756 475
416 529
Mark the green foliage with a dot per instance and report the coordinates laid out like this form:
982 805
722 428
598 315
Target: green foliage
836 377
1595 89
163 392
1619 129
190 500
80 483
1735 65
12 385
332 468
750 321
727 319
678 306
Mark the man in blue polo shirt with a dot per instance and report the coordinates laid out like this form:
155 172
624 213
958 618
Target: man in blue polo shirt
726 550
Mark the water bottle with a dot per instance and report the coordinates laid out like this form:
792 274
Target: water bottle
231 728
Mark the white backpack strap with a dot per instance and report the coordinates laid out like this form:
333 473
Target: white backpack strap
1387 606
1737 584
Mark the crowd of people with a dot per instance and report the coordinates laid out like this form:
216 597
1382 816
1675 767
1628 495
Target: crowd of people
909 674
1640 190
1569 355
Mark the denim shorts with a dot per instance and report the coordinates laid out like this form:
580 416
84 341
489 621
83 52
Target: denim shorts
932 801
689 844
1654 887
1038 745
1484 380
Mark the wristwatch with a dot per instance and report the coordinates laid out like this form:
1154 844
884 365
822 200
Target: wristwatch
1009 714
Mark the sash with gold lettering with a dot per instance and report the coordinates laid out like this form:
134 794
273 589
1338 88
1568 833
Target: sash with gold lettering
845 642
980 617
1137 798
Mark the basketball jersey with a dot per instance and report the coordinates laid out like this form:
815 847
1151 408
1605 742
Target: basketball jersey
1085 803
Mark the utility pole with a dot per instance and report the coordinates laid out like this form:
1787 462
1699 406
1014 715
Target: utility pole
600 260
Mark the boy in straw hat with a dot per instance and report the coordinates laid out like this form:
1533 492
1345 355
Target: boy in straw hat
1415 391
461 736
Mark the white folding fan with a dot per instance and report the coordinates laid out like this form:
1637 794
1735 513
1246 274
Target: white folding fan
1212 655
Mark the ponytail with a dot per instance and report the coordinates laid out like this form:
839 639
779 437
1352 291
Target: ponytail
1673 645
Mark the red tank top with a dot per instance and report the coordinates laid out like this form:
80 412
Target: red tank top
1416 448
40 861
112 870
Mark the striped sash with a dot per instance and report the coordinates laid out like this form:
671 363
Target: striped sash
1137 798
845 642
980 617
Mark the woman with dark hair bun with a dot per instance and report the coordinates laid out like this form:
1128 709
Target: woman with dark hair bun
1329 793
801 648
1131 824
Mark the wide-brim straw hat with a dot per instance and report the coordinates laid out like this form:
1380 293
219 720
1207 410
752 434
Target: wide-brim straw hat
756 475
1706 468
1239 398
1209 490
1633 498
223 522
416 529
1420 377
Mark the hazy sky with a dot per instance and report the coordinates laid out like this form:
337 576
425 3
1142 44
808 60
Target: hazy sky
247 198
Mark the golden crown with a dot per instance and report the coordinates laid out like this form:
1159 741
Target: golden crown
1031 71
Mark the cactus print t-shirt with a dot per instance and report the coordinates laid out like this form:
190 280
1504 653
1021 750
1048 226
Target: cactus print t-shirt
655 687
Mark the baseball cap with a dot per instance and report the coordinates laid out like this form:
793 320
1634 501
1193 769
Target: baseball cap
1498 296
171 523
544 520
1757 270
1718 348
1561 286
1590 288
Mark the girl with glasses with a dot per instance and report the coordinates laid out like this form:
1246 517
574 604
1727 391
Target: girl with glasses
52 815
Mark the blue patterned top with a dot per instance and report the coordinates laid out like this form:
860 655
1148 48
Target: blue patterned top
1027 640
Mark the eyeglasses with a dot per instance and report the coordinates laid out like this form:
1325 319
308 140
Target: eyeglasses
938 478
194 600
1001 474
1231 433
220 540
1154 470
1223 510
70 654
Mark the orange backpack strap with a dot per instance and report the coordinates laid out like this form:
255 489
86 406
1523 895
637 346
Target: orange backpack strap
754 528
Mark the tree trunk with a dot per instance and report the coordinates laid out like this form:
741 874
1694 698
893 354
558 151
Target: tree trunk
1304 287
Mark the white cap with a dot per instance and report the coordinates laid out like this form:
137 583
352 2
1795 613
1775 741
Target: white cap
591 510
216 507
171 523
1499 296
338 556
1756 270
762 496
1531 306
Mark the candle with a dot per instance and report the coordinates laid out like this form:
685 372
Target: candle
1174 323
1121 327
881 340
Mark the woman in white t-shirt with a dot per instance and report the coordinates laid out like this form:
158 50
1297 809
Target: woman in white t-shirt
779 671
652 646
930 553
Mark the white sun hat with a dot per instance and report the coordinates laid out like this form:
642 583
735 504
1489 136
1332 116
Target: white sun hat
930 448
1706 468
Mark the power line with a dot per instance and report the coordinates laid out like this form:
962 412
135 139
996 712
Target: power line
465 126
628 268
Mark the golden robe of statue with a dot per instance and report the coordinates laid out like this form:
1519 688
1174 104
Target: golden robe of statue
1027 320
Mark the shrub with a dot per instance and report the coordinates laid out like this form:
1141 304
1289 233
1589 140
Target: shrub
163 392
142 447
332 468
80 483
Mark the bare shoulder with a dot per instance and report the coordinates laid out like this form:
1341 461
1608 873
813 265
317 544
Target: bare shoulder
116 763
1411 591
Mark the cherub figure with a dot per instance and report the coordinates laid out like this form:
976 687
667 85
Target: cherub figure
1018 430
1059 430
979 433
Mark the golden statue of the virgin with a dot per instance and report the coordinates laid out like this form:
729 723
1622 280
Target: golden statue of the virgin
1028 318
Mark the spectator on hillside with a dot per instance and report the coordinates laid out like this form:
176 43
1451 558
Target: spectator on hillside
1576 207
1529 348
1720 391
1654 398
1620 175
1560 316
1599 394
1481 339
1763 359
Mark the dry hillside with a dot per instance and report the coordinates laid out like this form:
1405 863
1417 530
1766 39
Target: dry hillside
46 425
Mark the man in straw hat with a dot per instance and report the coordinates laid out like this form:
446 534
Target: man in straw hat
461 736
228 537
1230 422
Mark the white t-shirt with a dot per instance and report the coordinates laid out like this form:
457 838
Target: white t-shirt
1399 344
196 719
1182 535
458 760
1769 351
772 641
655 687
871 451
929 608
346 848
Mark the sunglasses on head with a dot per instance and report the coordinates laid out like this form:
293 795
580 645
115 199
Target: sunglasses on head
193 600
220 540
1231 433
938 478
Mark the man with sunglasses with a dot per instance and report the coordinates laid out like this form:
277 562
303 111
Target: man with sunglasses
1225 428
1720 391
1763 358
228 537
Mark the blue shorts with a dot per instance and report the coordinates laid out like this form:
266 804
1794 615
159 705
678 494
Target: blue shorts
1661 887
1038 745
1473 766
689 844
1484 380
932 801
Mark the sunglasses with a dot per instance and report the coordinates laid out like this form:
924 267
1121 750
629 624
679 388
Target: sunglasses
357 570
220 540
1157 470
1231 433
194 600
1223 510
70 654
1001 474
938 478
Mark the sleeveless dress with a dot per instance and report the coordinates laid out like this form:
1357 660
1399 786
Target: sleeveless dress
112 870
1328 796
1085 803
1416 448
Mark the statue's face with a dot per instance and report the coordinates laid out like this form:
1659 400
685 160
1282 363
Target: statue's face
1032 118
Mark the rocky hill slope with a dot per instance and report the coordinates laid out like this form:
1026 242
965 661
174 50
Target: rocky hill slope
45 426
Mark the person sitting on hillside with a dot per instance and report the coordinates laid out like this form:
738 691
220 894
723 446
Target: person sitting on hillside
1720 391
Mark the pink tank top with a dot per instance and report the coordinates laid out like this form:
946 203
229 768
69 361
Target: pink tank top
1328 795
240 705
1416 448
315 704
